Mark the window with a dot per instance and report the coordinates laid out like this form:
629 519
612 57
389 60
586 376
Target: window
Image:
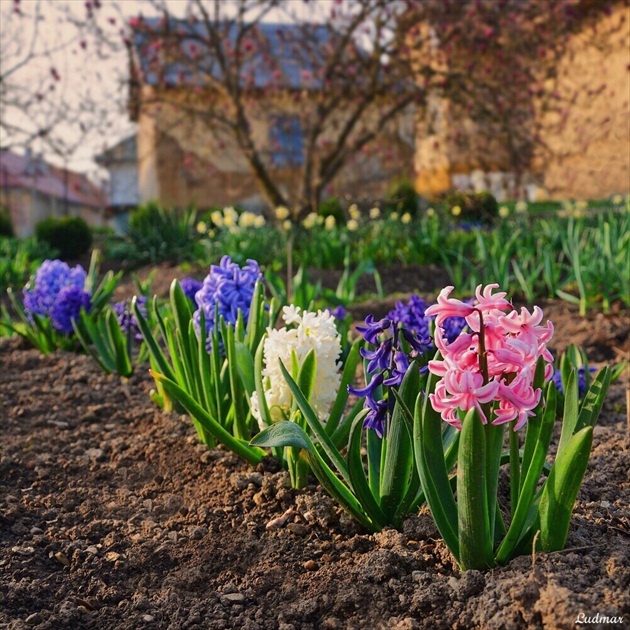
286 142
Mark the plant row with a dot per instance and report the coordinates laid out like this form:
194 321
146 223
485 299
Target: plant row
427 405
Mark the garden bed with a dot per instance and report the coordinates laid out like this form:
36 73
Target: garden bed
113 516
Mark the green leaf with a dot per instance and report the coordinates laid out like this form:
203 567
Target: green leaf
197 413
316 426
399 456
594 399
245 365
358 479
154 349
432 468
374 450
561 490
307 373
281 434
240 414
258 378
104 361
475 538
530 479
119 346
347 378
571 406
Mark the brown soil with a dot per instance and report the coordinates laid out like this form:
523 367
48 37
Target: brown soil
113 516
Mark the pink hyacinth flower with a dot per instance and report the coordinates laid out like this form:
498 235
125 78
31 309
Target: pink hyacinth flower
448 307
520 398
526 325
488 302
467 391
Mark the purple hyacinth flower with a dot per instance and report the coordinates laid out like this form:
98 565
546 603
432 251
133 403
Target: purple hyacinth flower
339 312
557 380
373 329
369 390
50 278
67 307
227 289
380 358
398 371
388 362
377 416
190 286
127 320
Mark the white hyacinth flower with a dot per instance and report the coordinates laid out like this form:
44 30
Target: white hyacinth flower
304 331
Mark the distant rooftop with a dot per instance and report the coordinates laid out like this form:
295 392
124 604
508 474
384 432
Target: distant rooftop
271 53
33 173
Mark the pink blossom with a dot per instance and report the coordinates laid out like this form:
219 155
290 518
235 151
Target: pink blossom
467 391
487 301
493 366
448 307
526 324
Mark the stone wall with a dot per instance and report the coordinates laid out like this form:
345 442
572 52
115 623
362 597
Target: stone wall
588 145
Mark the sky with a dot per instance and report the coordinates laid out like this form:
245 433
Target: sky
88 78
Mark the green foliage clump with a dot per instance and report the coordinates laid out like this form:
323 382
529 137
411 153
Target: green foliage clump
475 207
156 234
403 199
6 225
332 208
70 236
19 258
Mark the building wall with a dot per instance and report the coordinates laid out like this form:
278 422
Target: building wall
591 153
123 184
185 160
588 154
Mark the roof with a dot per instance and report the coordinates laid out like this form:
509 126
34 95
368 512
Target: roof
270 53
20 171
122 152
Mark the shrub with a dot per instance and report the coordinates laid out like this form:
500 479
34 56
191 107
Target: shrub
156 234
6 225
475 207
70 236
332 208
403 199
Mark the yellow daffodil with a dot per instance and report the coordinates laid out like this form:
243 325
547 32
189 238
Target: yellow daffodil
521 207
310 220
406 218
330 222
202 228
282 212
375 213
504 212
352 225
456 211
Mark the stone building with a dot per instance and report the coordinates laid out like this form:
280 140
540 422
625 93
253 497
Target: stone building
185 158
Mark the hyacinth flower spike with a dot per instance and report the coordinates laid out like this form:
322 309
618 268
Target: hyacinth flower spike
500 376
203 361
55 298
